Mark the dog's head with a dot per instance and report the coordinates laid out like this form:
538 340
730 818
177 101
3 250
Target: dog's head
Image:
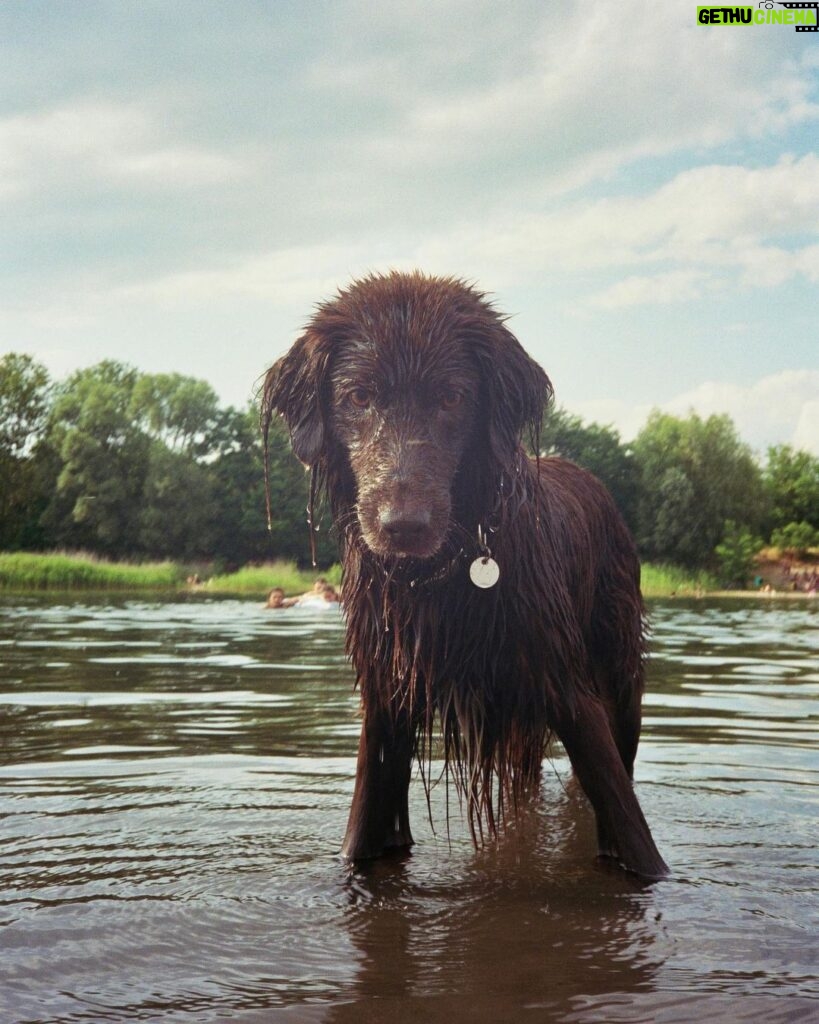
406 387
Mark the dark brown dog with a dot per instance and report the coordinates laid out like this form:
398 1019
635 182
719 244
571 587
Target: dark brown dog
408 398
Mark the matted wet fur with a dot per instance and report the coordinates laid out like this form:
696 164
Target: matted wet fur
408 398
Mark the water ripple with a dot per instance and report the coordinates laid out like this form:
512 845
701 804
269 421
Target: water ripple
174 785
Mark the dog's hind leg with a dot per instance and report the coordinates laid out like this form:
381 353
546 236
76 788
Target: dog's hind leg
379 815
622 699
623 833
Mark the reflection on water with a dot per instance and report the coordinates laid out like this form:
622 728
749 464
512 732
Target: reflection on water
174 780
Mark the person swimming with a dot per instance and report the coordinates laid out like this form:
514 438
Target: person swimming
276 599
322 594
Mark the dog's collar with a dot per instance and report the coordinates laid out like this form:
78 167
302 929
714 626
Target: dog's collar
483 570
442 574
417 576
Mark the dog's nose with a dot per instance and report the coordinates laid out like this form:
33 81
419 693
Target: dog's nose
404 527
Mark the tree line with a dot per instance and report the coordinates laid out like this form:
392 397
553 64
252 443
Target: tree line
136 465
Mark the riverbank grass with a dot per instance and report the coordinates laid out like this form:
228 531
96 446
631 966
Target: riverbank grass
67 571
26 571
259 580
671 581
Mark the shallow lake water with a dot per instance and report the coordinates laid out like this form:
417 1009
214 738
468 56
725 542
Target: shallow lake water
174 783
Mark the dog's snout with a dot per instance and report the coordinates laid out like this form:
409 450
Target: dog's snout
405 527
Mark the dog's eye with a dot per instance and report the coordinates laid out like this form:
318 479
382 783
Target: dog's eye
361 397
450 399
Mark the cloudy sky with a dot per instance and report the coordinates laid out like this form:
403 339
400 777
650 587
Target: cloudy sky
181 181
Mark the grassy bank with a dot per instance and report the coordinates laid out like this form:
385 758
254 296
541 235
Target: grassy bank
258 580
26 571
63 571
669 580
23 572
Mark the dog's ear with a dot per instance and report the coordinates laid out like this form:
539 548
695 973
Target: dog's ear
517 392
293 387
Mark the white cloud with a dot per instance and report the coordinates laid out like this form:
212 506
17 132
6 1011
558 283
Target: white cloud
706 227
100 141
806 434
450 135
582 89
656 289
461 109
300 275
808 262
782 408
581 159
627 418
759 229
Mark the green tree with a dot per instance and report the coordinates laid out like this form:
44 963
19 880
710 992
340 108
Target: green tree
239 500
736 555
289 497
674 524
597 449
176 516
24 396
695 475
179 515
795 538
180 411
124 463
25 391
103 457
791 479
237 485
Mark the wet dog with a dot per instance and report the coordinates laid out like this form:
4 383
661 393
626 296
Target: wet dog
489 595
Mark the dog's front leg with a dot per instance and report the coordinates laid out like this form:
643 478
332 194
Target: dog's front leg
379 816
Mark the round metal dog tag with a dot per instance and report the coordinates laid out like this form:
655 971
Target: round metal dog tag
484 572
